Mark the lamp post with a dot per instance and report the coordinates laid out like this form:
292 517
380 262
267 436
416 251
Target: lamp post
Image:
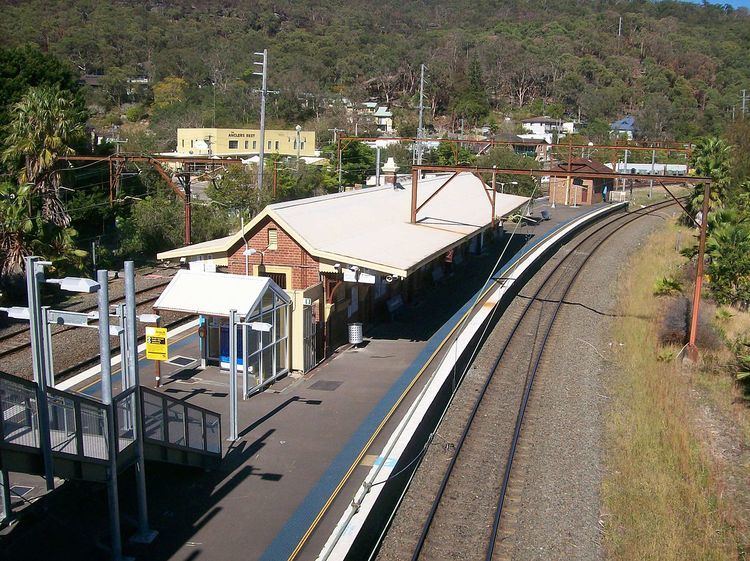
298 128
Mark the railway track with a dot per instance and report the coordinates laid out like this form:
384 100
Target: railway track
20 340
466 516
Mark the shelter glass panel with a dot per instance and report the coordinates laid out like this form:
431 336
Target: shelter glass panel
254 364
281 355
267 301
267 363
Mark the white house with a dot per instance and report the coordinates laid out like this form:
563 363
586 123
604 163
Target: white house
544 128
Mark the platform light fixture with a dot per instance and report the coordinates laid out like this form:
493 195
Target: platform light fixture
76 284
149 318
16 312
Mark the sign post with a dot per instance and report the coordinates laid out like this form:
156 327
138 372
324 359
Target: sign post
157 348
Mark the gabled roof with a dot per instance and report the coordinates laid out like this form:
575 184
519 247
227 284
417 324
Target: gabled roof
626 124
383 112
215 294
543 120
371 227
581 164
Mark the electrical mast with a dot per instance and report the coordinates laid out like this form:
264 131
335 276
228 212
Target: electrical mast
263 93
420 129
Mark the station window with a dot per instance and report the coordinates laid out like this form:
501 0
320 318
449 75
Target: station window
273 238
246 144
277 145
255 144
234 144
191 144
269 144
183 143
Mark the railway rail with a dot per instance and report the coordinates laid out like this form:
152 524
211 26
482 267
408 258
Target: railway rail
495 422
20 340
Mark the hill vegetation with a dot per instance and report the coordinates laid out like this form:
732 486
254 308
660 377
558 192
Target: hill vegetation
678 67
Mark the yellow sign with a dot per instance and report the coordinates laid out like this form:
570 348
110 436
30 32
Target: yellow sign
156 343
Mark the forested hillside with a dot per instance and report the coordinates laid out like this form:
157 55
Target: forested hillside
679 67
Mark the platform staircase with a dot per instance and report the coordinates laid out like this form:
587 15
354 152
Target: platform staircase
174 431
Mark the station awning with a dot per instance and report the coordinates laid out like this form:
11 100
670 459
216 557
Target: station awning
214 294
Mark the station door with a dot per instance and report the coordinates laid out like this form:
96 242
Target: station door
310 328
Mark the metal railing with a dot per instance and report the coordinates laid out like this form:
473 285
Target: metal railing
172 422
78 423
20 419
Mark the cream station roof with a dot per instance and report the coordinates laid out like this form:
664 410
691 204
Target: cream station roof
371 227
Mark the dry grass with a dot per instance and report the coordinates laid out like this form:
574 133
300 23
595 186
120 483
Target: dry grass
659 494
640 195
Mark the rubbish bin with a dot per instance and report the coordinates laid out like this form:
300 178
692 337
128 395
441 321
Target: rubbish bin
355 334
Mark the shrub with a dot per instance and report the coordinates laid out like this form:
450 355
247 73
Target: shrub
667 286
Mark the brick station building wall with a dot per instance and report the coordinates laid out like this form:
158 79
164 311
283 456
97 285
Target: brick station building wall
289 253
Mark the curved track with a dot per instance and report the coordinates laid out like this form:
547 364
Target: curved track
471 500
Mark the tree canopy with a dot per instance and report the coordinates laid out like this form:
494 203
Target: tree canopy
678 67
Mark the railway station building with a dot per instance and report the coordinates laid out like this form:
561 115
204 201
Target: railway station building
579 190
356 257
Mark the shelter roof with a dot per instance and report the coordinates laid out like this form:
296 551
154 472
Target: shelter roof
215 294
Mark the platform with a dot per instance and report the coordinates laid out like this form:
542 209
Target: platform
298 439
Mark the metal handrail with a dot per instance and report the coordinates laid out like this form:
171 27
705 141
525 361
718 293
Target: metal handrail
165 403
72 430
175 400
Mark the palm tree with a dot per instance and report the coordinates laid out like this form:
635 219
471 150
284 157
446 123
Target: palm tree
44 123
16 227
728 250
711 158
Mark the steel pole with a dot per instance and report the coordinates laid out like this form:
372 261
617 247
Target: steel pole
245 373
653 169
35 276
145 534
263 93
106 380
420 130
7 507
340 171
232 375
377 166
49 367
692 348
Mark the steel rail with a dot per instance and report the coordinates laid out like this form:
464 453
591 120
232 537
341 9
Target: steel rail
449 469
532 376
65 373
22 346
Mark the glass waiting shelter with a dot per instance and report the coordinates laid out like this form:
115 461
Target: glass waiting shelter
263 316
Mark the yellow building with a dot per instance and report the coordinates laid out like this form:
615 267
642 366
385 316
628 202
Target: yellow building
243 142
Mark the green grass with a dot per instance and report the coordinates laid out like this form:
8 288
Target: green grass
659 494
